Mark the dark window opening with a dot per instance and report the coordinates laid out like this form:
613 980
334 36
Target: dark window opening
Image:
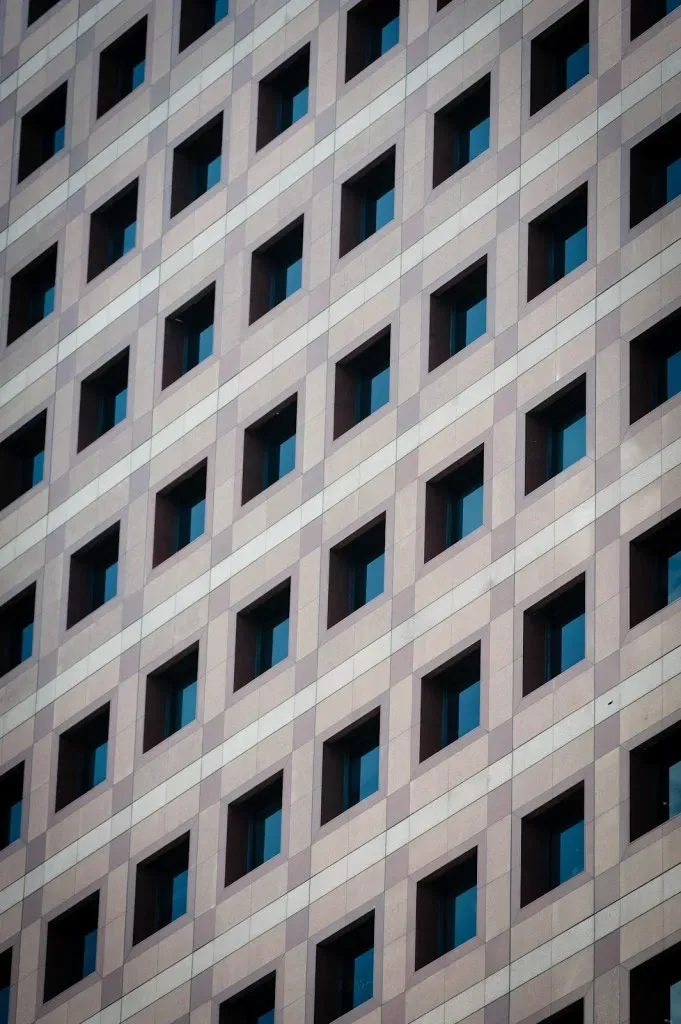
43 132
454 504
283 97
344 973
367 202
557 243
655 569
253 830
554 636
161 888
188 338
373 29
450 703
122 67
32 294
113 231
17 618
22 460
573 1014
552 845
356 571
198 17
83 753
655 989
253 1006
262 635
655 366
446 909
269 449
645 14
362 384
655 781
461 131
350 767
458 314
276 270
555 435
94 576
37 8
71 952
197 166
5 985
655 171
11 805
180 514
103 399
560 57
170 701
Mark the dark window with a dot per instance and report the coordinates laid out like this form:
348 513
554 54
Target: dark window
557 243
350 766
573 1014
198 17
367 202
655 989
196 165
71 952
655 171
458 314
161 887
43 132
283 97
560 57
262 635
180 514
253 830
170 702
36 9
253 1006
356 571
22 460
16 630
276 270
373 29
454 504
122 67
655 781
344 973
450 703
11 802
94 576
644 14
188 338
655 569
362 384
5 985
655 366
553 636
446 909
83 752
552 845
555 435
113 231
32 294
461 131
103 399
269 449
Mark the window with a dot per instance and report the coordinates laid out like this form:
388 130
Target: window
560 57
198 17
655 569
655 366
554 636
276 270
655 781
253 1006
37 8
32 294
373 29
11 805
161 887
283 97
450 702
122 67
170 701
113 231
5 985
94 576
552 845
22 460
16 630
458 314
196 165
188 337
253 830
655 171
454 504
555 435
350 766
83 751
367 202
446 909
655 989
557 243
43 132
362 384
180 514
356 571
573 1014
645 14
262 635
344 973
461 131
269 449
71 952
103 399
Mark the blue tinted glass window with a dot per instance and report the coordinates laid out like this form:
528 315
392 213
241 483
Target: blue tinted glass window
460 707
178 904
285 281
366 581
672 382
265 1018
567 444
478 138
112 408
95 766
48 300
129 235
271 643
674 577
190 523
14 829
576 65
373 392
89 952
464 513
292 106
26 641
566 644
462 914
221 9
575 249
4 1004
280 458
468 321
299 105
675 989
457 899
213 172
361 773
674 786
37 468
180 706
671 5
138 74
377 211
567 852
673 179
362 977
264 839
58 139
390 35
109 582
198 345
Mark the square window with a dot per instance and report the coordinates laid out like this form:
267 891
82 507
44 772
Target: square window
43 132
113 231
655 989
198 17
5 985
188 336
262 635
573 1014
283 97
356 571
161 888
276 270
655 366
83 753
655 781
373 28
367 202
554 636
458 314
655 569
655 178
11 805
362 384
71 950
350 767
16 630
555 435
37 8
552 845
170 701
253 830
180 514
197 165
269 449
461 131
344 971
557 243
93 577
103 399
645 14
22 459
450 703
122 67
32 294
559 57
253 1006
454 504
446 909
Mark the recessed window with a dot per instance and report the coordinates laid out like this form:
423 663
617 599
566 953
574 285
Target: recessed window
122 67
103 399
5 985
22 460
362 384
253 830
446 909
573 1014
198 17
367 202
554 636
255 1005
113 231
269 449
276 270
180 514
655 366
356 571
344 971
188 337
32 294
450 703
458 314
655 989
94 576
552 845
283 97
555 435
557 243
560 57
71 951
11 805
43 132
454 504
655 171
196 165
16 630
655 569
350 767
83 752
645 14
262 635
461 131
655 781
161 887
37 8
170 702
373 29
